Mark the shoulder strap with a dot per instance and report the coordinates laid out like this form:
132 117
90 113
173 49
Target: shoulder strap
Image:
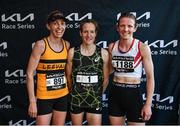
46 44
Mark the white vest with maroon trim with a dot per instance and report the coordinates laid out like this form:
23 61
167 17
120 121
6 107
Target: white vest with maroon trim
127 64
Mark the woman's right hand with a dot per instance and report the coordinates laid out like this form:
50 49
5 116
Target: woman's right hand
32 111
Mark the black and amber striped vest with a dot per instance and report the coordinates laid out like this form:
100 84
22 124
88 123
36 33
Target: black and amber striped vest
51 80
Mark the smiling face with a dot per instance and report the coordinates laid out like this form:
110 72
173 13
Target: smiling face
57 28
88 33
126 27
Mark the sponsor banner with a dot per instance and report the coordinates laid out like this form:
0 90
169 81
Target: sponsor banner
143 19
17 21
76 18
23 23
5 103
14 77
162 47
3 49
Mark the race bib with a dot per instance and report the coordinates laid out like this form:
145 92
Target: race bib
87 79
123 64
55 81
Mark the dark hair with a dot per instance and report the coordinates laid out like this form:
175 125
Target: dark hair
54 15
129 15
89 21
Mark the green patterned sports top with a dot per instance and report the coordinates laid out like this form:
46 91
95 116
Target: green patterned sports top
87 79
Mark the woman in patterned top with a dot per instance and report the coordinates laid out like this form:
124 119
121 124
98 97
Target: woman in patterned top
87 74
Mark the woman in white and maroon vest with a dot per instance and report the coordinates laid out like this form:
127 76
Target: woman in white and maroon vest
128 56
